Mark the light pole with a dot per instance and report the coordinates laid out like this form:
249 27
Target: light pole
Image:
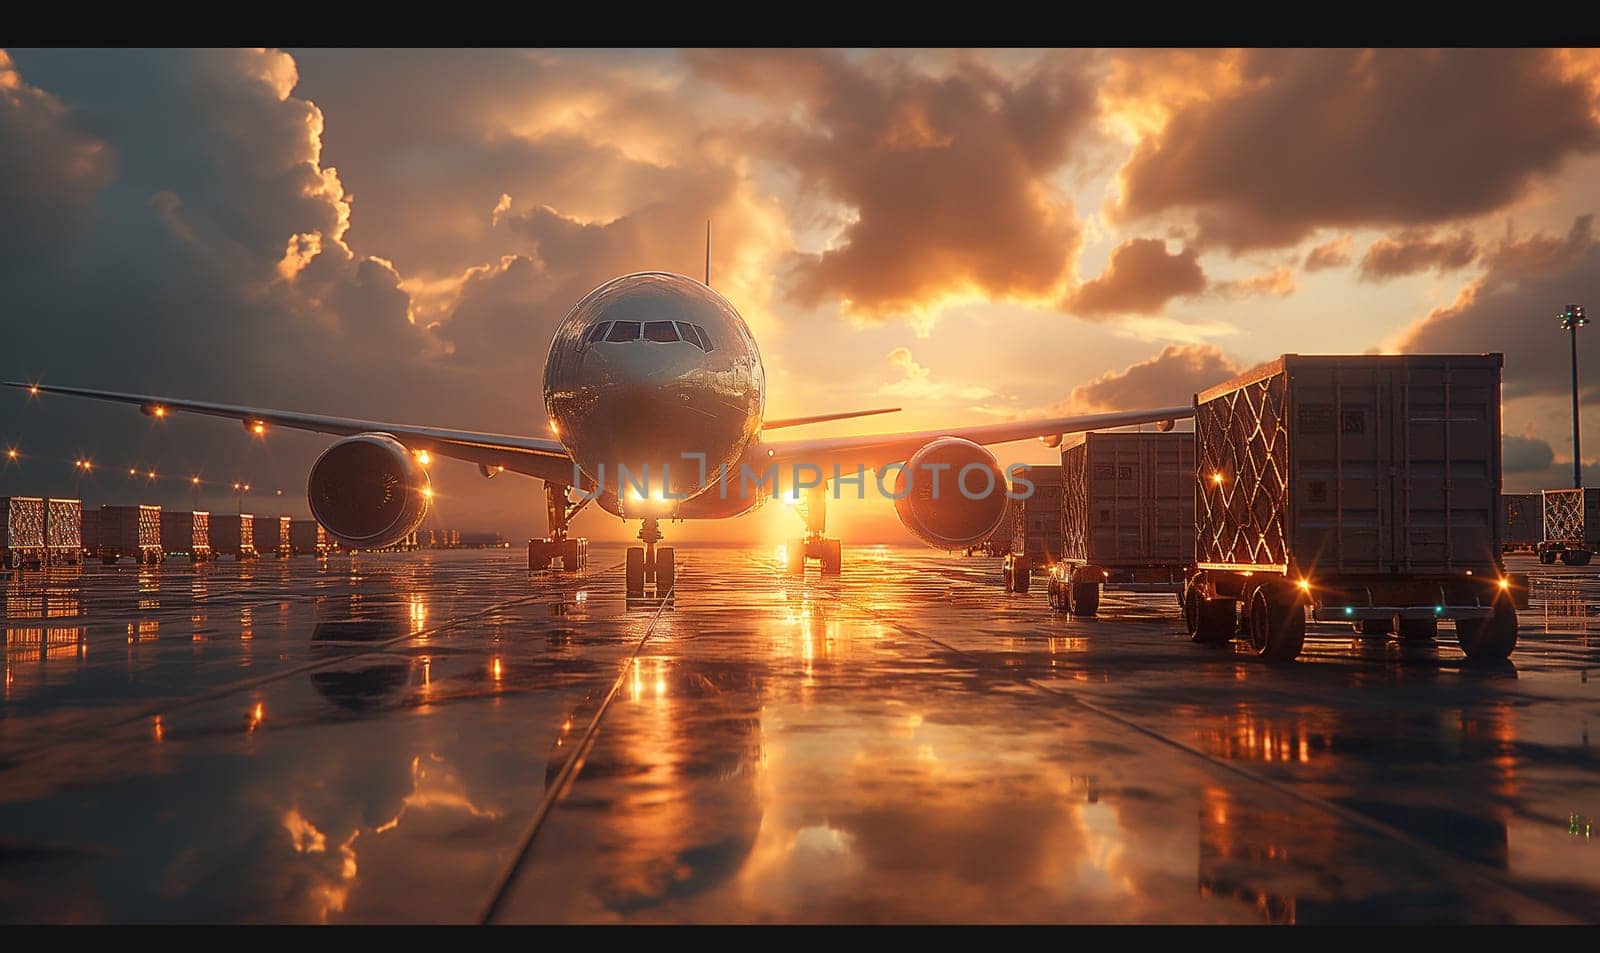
1571 320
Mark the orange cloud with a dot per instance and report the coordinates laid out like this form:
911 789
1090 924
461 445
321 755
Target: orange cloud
1415 250
1141 277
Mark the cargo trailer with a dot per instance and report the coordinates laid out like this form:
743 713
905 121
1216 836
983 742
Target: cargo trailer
22 532
1035 528
271 536
233 534
187 534
130 531
1571 526
63 531
307 537
1360 489
1523 522
1127 517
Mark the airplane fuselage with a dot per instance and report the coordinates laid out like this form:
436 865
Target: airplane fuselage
654 385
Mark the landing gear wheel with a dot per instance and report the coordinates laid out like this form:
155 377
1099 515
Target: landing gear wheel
635 571
1491 639
1085 598
1579 558
832 557
1547 557
1277 624
1214 620
666 570
1372 628
1419 630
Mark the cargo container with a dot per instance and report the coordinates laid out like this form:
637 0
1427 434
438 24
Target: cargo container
1035 529
21 532
130 531
1523 522
63 531
1363 489
91 532
233 534
187 534
307 537
1571 526
1127 517
270 535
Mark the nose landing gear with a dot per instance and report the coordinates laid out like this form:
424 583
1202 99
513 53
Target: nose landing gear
815 545
572 551
650 563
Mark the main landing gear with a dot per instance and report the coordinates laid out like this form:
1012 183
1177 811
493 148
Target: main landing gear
571 551
651 564
815 545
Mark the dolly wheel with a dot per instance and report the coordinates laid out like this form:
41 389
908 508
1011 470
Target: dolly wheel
1085 598
1021 575
1490 639
1277 624
832 557
1419 630
1373 627
1215 619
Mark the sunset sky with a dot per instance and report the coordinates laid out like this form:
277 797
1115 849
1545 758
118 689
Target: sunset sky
970 235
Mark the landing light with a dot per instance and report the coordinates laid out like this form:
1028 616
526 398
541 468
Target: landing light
424 458
257 427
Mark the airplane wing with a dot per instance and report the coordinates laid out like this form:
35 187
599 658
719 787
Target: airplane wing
879 450
534 456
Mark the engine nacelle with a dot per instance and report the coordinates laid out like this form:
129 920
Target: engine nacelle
964 506
368 491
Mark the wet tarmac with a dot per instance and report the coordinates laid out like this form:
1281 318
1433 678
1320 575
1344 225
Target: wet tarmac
441 737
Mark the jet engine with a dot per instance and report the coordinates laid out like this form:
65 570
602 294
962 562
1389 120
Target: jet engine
951 493
368 491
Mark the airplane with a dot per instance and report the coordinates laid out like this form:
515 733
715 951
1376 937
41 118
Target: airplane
650 372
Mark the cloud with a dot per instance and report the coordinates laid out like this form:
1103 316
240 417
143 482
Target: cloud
1334 254
1297 140
1511 309
943 176
1172 377
1141 277
51 169
1525 454
916 382
1277 283
1413 250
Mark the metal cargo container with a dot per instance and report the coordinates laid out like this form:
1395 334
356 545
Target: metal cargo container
308 536
63 531
187 534
1571 526
1521 522
233 534
91 532
1366 488
271 535
130 531
1127 516
21 531
1035 527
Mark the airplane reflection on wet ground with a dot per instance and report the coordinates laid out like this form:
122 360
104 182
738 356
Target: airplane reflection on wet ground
370 740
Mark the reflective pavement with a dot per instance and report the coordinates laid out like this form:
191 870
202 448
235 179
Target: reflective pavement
391 738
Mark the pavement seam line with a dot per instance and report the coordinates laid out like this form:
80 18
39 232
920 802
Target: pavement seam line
568 774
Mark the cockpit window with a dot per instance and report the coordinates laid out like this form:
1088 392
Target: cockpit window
705 339
596 333
624 331
660 331
686 331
